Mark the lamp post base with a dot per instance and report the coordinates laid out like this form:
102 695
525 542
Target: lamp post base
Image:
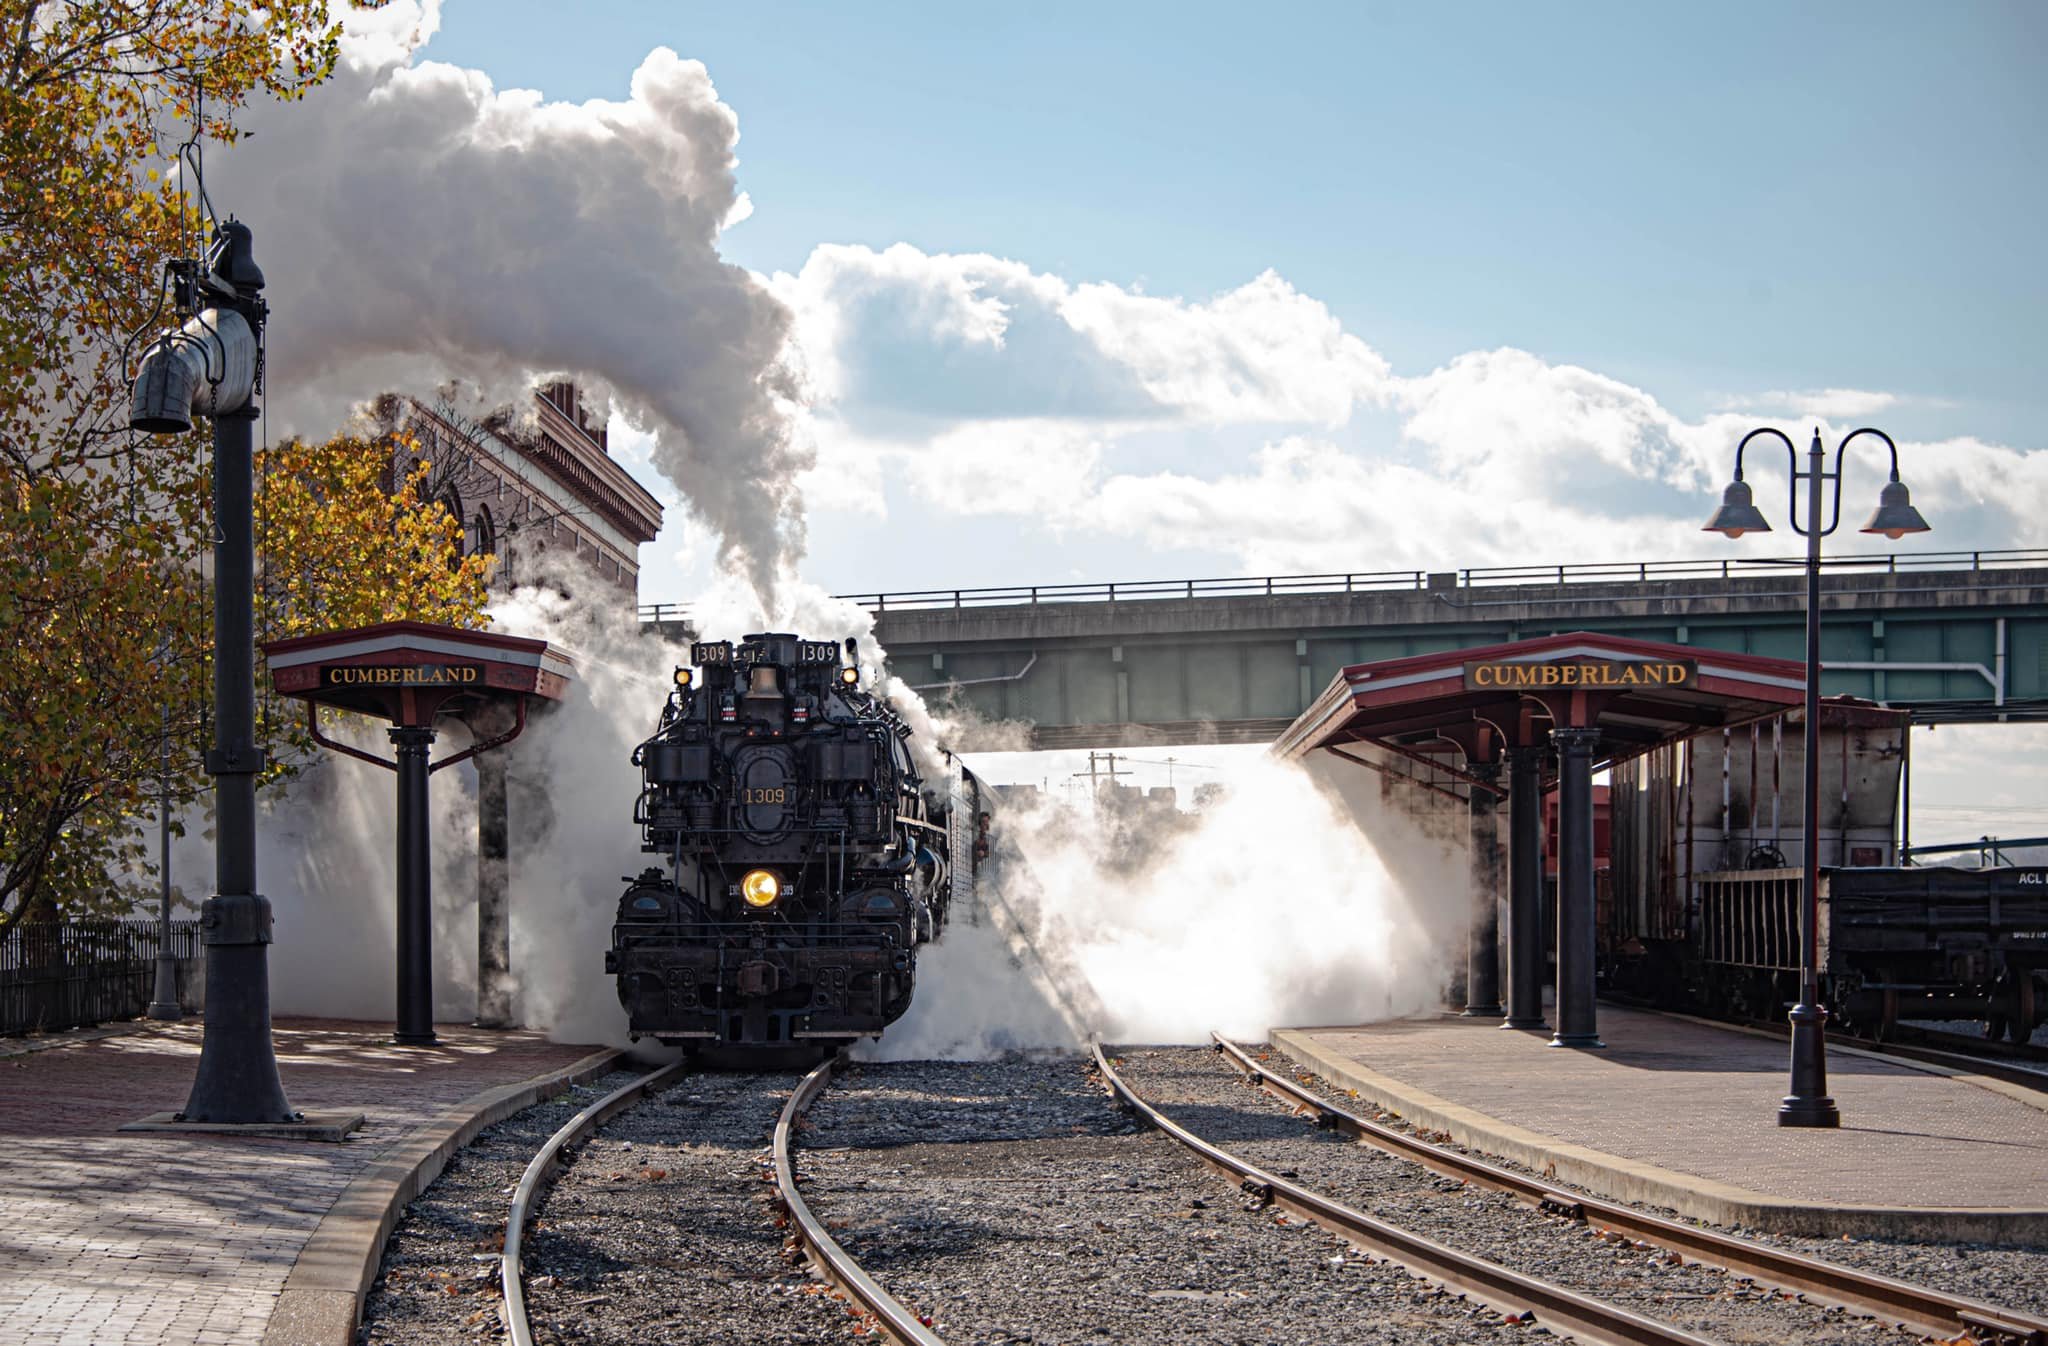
1480 1011
1808 1104
1522 1023
163 1005
1590 1041
415 1039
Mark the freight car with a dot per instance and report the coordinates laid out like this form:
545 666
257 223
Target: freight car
1706 883
1915 943
805 857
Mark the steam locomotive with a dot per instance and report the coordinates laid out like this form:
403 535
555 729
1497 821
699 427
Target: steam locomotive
804 858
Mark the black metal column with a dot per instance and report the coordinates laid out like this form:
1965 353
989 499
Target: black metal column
237 1080
163 1004
1525 889
1576 1017
415 891
493 915
1482 948
1808 1104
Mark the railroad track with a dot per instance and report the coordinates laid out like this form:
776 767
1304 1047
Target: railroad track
1924 1311
806 1232
831 1261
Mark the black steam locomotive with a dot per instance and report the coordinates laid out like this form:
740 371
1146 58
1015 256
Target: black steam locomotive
804 857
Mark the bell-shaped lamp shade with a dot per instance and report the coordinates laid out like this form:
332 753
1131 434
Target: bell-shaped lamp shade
1738 513
1895 515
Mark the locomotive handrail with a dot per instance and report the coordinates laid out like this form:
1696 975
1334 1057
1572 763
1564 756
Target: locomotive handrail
1347 582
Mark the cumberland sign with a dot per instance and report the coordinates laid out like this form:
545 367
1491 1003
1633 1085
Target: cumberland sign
1597 673
402 675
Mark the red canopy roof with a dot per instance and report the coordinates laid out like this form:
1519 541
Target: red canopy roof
1637 693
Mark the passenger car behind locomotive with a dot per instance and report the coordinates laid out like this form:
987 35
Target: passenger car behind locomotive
804 857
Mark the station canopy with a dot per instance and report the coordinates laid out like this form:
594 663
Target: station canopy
1636 693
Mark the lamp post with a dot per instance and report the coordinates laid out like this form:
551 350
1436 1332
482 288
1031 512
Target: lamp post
1808 1103
212 366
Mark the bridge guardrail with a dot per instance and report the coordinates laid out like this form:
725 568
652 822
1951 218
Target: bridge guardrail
1583 572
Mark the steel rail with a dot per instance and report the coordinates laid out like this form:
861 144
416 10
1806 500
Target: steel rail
1921 1309
545 1163
1509 1292
831 1261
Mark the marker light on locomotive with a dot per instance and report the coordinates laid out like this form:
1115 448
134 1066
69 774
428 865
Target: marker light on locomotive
849 676
760 889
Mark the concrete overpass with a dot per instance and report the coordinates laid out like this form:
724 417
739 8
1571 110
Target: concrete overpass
1952 635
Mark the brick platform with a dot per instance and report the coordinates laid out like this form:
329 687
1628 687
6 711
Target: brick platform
1684 1114
113 1239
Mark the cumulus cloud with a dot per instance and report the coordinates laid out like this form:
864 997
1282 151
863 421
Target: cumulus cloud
991 389
418 224
1833 403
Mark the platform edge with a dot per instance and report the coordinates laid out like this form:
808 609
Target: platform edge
322 1299
1624 1179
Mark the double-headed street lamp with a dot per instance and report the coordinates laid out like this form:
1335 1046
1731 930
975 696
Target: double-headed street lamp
1808 1104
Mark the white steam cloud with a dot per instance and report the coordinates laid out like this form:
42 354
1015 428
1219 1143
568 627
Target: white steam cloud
418 225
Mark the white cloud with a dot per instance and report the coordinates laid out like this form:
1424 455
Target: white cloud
1261 352
991 389
1832 403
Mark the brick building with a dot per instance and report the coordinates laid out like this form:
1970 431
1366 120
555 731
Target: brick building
528 488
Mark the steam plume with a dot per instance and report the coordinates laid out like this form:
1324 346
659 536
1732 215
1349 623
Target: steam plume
418 225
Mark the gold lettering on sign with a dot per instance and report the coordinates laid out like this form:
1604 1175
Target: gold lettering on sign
1601 673
401 675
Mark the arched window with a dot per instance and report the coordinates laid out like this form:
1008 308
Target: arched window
481 537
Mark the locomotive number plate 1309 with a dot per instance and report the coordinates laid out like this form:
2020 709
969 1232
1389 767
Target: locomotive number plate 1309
816 652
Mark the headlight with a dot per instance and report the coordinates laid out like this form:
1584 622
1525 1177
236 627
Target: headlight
849 676
760 888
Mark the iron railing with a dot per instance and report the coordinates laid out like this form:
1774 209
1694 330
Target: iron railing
56 975
1368 581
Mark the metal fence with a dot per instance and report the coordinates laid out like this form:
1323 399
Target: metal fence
56 975
1592 572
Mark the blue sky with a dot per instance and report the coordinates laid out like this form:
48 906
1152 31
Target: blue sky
1158 291
1705 201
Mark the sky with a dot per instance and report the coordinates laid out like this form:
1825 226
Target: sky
900 297
1730 209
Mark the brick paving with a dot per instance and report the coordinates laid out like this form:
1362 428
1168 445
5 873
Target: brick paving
1703 1100
107 1240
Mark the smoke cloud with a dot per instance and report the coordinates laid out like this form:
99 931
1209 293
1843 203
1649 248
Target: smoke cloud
417 225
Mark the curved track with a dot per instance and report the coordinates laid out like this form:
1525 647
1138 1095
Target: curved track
544 1164
891 1318
896 1322
1928 1311
1522 1298
1583 1316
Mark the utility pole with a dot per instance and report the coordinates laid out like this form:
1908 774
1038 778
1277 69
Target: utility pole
1106 770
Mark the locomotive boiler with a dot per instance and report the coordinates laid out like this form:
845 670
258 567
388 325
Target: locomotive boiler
804 858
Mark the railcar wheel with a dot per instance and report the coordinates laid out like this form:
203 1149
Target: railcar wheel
2021 1028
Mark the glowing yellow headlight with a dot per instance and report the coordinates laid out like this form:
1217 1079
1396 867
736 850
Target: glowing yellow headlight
849 676
760 888
682 677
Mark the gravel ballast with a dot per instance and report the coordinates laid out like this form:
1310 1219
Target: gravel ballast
661 1228
2014 1278
439 1278
1011 1203
1197 1088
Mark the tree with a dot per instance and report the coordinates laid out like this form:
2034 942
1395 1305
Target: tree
105 106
